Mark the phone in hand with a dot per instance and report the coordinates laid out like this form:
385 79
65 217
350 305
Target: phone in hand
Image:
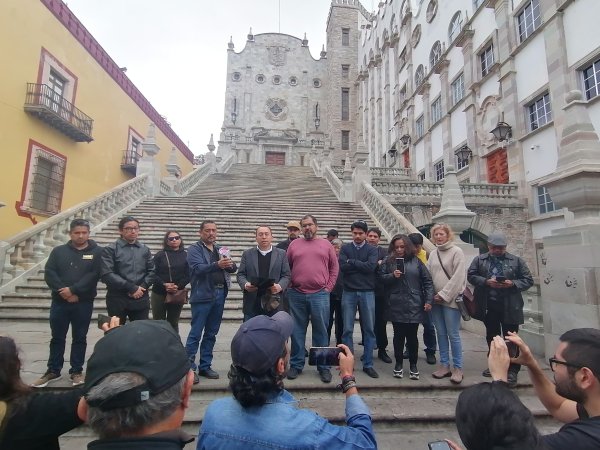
324 356
439 445
400 264
500 278
102 319
513 349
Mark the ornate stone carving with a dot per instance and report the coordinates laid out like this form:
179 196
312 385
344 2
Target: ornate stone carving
276 109
487 118
278 55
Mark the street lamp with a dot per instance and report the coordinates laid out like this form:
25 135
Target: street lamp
502 132
464 153
392 151
405 139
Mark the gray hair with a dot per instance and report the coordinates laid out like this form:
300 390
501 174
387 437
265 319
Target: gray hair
337 242
132 419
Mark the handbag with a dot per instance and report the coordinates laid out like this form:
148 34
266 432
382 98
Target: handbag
180 297
467 308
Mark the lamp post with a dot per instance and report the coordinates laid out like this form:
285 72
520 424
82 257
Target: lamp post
405 139
502 132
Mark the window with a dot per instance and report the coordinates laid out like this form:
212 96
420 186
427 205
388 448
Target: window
431 11
461 163
317 83
236 76
477 3
45 180
436 110
260 78
345 37
438 170
435 54
402 59
591 80
345 140
529 19
487 60
545 203
421 176
276 79
455 26
458 89
345 104
402 94
419 75
420 127
345 70
416 36
293 81
57 85
540 112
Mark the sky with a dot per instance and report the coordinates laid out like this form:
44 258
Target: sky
175 51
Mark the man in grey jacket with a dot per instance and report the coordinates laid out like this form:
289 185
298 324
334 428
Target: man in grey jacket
263 275
127 270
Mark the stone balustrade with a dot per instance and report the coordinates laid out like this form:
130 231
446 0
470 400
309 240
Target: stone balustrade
391 172
338 171
334 182
192 179
24 253
224 166
165 189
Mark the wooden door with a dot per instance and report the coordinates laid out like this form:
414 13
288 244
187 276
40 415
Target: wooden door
275 158
497 167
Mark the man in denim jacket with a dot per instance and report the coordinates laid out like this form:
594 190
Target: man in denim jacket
262 414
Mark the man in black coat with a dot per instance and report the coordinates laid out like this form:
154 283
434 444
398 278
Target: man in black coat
499 278
72 273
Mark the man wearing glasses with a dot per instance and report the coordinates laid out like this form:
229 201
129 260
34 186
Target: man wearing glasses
127 271
574 397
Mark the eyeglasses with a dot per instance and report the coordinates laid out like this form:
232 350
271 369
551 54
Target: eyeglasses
553 362
130 229
173 238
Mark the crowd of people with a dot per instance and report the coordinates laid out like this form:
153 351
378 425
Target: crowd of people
138 380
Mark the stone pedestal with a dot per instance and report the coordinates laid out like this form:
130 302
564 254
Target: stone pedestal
148 163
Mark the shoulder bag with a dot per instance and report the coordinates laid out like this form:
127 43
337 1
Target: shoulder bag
466 308
180 297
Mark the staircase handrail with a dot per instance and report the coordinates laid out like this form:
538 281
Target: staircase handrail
387 172
165 189
388 218
25 252
192 179
224 166
334 182
435 188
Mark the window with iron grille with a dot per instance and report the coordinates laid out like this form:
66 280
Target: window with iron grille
345 37
45 181
540 112
461 163
487 59
591 80
345 104
529 19
421 176
438 170
458 89
420 127
419 75
436 110
345 70
345 140
545 203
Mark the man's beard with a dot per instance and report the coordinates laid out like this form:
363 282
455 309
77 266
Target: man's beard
569 390
308 235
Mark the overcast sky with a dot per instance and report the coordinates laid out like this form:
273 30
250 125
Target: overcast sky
176 51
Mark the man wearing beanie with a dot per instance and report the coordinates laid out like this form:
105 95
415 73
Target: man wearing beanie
262 414
137 388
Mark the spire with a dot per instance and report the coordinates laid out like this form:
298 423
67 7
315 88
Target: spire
250 35
230 44
323 52
305 41
211 144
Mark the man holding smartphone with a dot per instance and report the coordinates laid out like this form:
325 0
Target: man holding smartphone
499 278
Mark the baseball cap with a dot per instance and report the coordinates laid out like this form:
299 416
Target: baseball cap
150 348
259 342
498 239
293 224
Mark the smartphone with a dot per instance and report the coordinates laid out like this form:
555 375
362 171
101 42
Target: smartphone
102 319
513 349
500 278
324 356
400 264
439 445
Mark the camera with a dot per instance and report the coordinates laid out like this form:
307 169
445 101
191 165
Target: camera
500 278
439 445
324 356
102 319
513 349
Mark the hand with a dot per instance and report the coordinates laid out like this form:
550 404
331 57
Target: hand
525 357
114 323
276 289
225 263
139 293
438 300
346 366
65 293
73 299
497 285
498 359
427 307
170 287
508 283
453 445
250 287
397 273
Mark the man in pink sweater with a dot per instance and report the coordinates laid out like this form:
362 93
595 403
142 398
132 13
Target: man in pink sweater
314 267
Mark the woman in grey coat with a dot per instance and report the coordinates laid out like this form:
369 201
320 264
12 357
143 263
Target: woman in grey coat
410 296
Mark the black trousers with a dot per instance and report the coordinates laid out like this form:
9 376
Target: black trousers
121 305
335 316
381 321
406 332
495 326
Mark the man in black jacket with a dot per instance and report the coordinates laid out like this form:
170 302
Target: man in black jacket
72 273
128 271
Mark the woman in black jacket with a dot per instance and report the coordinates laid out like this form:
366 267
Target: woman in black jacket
171 273
410 296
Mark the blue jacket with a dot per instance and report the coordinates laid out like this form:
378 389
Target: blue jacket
203 289
280 424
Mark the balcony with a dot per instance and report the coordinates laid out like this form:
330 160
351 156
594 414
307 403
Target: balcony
51 108
130 160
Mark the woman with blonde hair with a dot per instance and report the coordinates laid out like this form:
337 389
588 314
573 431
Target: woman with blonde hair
448 270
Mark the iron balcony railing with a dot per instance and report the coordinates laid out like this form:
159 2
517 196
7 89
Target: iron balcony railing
130 160
53 109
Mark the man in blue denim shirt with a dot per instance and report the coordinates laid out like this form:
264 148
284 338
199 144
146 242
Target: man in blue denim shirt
262 414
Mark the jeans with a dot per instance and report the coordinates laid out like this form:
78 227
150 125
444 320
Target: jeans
447 326
408 332
206 317
302 308
494 326
169 311
429 339
365 301
63 314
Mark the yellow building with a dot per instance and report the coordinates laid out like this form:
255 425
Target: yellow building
71 122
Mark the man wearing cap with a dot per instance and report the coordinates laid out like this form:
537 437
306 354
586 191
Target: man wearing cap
293 229
137 388
499 278
262 414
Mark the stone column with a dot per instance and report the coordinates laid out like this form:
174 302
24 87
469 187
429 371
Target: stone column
570 284
174 170
346 194
148 163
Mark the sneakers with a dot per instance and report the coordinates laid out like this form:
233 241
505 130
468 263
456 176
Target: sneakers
486 373
431 358
382 354
208 373
457 376
442 372
196 378
414 372
371 372
398 373
43 381
77 378
325 375
293 373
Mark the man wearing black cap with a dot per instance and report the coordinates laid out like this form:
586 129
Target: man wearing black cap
137 388
499 278
262 414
